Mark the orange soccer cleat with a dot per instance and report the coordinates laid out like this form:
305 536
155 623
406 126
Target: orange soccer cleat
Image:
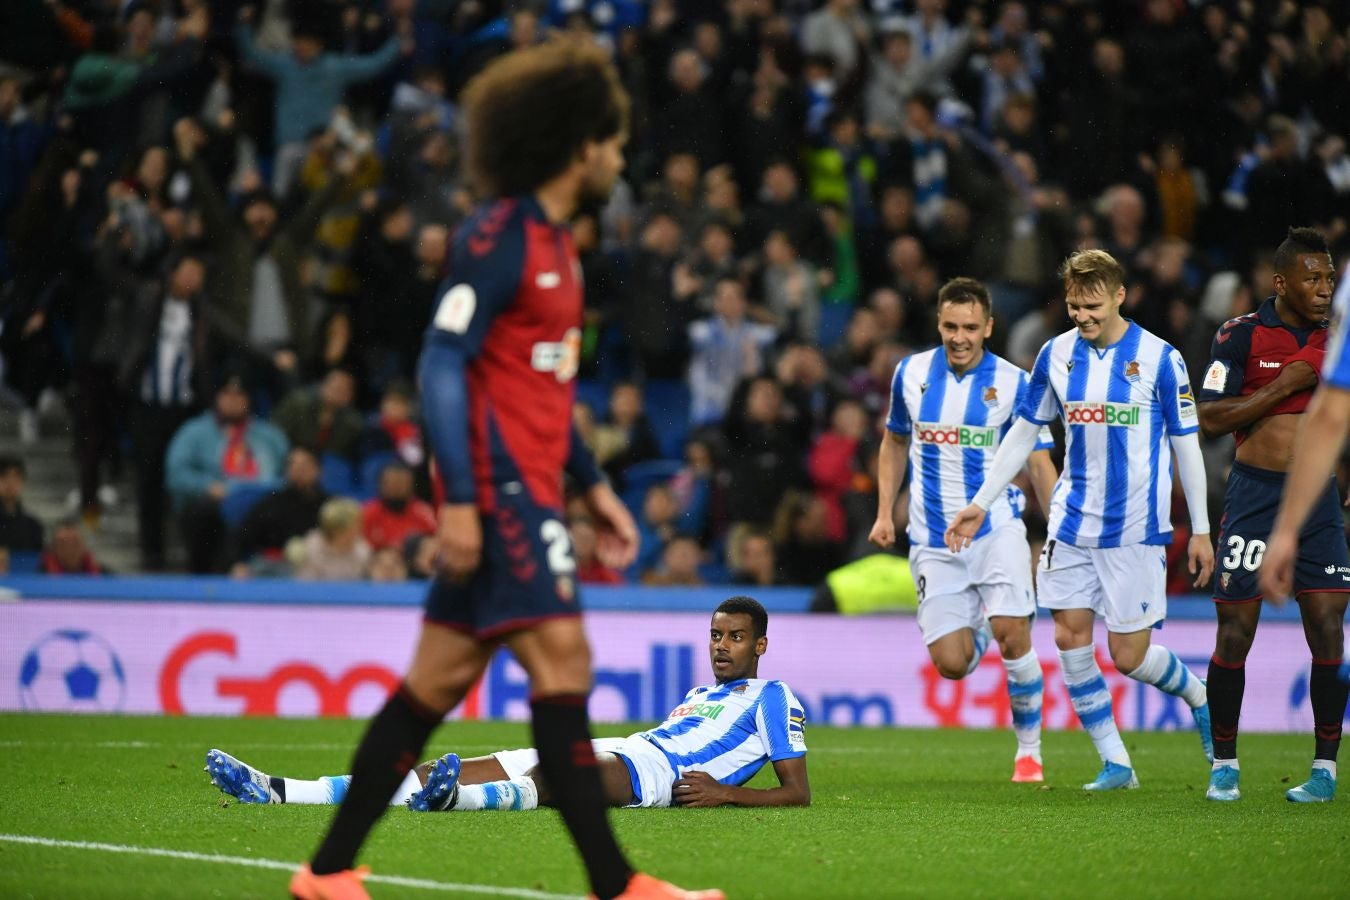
344 885
644 887
1027 769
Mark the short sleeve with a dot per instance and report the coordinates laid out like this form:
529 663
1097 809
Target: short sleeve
1045 440
1227 367
782 722
1336 364
486 262
897 420
1038 402
1172 393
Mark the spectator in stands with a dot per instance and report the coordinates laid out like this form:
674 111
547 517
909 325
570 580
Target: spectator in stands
322 416
679 564
263 303
765 448
387 565
809 390
693 485
22 140
656 526
655 317
625 438
67 553
753 560
388 519
395 430
693 117
834 461
804 545
897 72
727 348
791 291
419 553
335 550
164 372
289 511
19 532
309 85
222 447
781 206
589 568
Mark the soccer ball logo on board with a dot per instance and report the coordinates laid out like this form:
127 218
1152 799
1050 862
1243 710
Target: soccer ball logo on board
72 671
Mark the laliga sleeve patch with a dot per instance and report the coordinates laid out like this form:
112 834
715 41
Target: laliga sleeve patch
1216 376
456 309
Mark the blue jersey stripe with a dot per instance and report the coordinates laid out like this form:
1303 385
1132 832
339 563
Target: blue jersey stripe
1076 438
1118 443
930 410
977 413
897 421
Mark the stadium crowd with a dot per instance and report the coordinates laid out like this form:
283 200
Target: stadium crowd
225 226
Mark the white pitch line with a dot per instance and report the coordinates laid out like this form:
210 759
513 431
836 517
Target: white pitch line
396 880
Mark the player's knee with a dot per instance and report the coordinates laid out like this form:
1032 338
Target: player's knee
1128 658
1013 636
951 666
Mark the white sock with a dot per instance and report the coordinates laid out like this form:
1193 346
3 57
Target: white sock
1092 702
1230 763
1328 764
331 789
1162 669
980 635
516 794
1026 688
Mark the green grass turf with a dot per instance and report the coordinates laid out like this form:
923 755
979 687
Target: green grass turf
895 813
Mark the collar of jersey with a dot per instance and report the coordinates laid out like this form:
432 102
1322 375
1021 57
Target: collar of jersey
1271 319
1101 354
986 361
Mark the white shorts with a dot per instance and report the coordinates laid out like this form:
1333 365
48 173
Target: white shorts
1125 585
991 577
653 779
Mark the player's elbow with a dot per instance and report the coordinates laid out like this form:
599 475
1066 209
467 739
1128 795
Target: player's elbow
1210 426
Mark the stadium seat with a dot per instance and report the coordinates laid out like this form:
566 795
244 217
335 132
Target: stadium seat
368 479
338 476
667 402
23 562
637 478
594 394
241 498
834 319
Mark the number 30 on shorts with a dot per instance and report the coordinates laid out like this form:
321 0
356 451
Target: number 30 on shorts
1244 554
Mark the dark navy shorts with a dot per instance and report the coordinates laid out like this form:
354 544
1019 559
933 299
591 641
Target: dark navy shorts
527 573
1249 509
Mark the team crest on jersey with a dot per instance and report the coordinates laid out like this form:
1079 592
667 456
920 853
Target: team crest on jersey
739 689
1224 579
1132 371
991 397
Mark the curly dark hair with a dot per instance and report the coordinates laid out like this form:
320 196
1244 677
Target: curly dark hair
530 113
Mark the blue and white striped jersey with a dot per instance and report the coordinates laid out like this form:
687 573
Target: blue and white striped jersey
1336 366
954 425
1120 406
731 730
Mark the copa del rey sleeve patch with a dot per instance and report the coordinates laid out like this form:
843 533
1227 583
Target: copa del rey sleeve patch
1216 376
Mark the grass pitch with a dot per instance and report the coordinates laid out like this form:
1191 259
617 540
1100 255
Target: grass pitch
896 813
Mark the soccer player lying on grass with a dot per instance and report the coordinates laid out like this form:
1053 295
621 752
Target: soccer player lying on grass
708 747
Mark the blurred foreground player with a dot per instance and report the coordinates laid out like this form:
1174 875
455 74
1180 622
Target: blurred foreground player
710 745
1259 383
950 407
546 131
1124 396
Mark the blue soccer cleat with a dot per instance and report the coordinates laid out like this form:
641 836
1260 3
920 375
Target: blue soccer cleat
1223 784
442 787
1201 716
238 779
1113 777
1320 788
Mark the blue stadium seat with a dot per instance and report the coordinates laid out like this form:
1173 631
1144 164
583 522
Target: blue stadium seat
338 475
834 319
23 562
594 394
640 476
667 402
368 482
243 497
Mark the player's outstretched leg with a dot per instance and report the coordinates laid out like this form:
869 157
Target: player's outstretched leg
1162 669
981 634
1326 691
1026 689
444 792
240 780
1092 702
441 787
